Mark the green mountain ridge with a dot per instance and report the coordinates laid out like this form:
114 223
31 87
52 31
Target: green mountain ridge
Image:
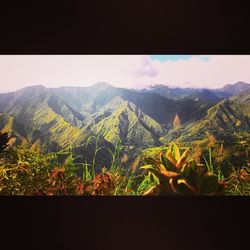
68 116
228 121
89 100
129 124
25 134
39 112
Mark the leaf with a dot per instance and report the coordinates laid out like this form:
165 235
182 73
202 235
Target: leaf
169 174
153 162
181 163
183 158
186 170
155 178
155 190
147 167
88 141
168 164
181 187
183 181
176 152
170 157
172 185
149 191
152 169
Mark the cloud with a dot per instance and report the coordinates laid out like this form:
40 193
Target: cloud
131 71
144 68
205 71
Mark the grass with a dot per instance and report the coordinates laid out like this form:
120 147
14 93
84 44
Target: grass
239 182
26 171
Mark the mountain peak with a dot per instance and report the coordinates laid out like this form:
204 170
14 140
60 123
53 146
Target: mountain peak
102 85
158 86
31 91
235 88
33 87
37 86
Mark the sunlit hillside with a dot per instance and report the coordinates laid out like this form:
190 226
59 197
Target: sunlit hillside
105 140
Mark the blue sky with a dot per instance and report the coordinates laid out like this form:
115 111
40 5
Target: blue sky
174 58
164 58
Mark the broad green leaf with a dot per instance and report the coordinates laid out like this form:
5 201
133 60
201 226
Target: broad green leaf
176 152
150 190
151 168
147 167
170 157
151 161
184 154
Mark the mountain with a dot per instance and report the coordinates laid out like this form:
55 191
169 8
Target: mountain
25 134
67 114
205 95
226 126
228 121
46 120
242 98
45 112
88 100
123 120
48 113
171 93
25 101
234 89
213 95
59 118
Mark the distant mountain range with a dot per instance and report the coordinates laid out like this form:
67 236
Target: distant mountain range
58 118
212 94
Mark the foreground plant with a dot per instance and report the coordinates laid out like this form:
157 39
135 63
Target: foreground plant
24 171
179 175
239 182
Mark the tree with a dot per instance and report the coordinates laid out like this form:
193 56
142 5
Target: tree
177 124
177 121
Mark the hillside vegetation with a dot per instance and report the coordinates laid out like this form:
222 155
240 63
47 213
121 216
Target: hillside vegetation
107 131
25 171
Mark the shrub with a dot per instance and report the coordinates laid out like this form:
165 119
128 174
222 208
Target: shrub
179 175
239 182
24 171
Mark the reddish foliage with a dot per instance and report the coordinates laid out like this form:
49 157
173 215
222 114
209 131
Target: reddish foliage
101 185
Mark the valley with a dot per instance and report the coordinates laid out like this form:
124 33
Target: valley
56 119
96 140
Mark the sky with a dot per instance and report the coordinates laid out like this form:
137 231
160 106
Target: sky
129 71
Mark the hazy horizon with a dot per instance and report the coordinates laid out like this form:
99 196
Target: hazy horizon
72 86
127 71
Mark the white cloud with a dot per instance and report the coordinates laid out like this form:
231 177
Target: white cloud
144 68
215 72
137 71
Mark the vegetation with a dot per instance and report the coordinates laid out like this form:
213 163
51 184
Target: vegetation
177 122
25 171
179 175
103 140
